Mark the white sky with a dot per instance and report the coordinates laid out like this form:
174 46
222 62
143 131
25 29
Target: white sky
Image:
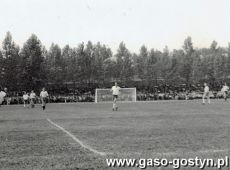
155 23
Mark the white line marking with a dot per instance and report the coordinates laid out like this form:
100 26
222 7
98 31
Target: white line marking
194 153
76 139
168 154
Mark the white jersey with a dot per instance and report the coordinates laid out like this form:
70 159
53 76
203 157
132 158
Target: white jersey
206 89
44 94
25 96
115 90
225 89
32 95
2 95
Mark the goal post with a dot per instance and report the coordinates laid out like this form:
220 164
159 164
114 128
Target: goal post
125 95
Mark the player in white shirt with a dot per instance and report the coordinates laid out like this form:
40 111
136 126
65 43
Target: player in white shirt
206 93
32 98
44 95
25 99
115 91
225 90
2 95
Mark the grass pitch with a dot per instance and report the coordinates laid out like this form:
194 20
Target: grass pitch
168 129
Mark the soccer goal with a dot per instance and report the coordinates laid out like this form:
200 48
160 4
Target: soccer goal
126 95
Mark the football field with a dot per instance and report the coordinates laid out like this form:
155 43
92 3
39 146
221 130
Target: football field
83 135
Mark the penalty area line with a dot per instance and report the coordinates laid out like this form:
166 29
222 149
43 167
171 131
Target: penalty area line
76 139
181 154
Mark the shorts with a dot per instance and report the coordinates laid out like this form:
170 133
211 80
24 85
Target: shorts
115 97
206 94
26 101
1 100
44 101
32 102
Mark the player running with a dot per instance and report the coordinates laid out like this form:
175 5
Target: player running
115 91
44 94
2 95
224 91
206 93
25 98
32 99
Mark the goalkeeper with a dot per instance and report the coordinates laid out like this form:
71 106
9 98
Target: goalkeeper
115 91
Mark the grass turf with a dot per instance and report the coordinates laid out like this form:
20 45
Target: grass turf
147 130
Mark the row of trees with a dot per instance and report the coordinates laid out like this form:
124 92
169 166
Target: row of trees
33 66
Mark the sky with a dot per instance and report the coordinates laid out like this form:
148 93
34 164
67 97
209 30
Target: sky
154 23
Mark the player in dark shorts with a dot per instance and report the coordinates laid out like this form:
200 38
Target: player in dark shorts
115 97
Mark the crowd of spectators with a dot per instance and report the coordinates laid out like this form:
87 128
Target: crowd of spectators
142 95
86 97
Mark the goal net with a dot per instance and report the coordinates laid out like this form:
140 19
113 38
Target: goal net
105 95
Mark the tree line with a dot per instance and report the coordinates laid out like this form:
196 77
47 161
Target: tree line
34 66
